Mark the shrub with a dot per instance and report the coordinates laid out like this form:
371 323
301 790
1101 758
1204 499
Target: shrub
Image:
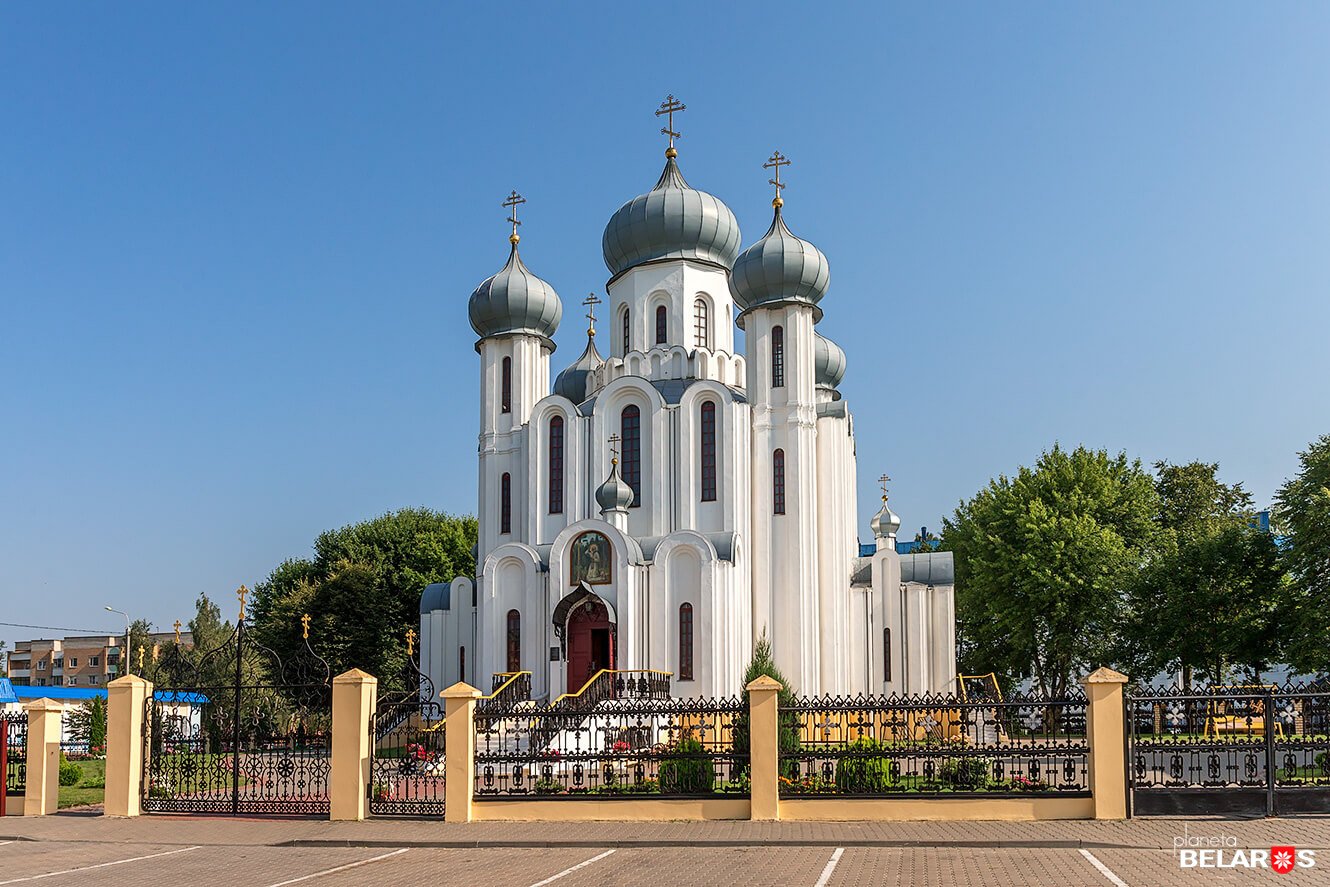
965 774
70 773
864 769
686 769
548 787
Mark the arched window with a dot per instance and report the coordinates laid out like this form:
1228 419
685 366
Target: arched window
701 325
630 460
661 325
685 642
708 424
556 465
514 641
507 393
506 503
778 482
777 357
627 339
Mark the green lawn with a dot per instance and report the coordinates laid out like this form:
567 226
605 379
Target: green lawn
91 788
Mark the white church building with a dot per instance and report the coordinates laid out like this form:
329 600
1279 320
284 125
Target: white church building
662 505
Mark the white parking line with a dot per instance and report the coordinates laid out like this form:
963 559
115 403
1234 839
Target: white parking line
1103 869
100 865
831 867
340 868
568 871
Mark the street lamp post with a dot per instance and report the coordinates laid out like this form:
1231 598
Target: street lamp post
124 654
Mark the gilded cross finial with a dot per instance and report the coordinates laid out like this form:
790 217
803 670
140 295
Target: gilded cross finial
884 480
776 161
304 626
513 201
241 593
141 658
669 108
156 651
410 642
591 301
177 632
614 449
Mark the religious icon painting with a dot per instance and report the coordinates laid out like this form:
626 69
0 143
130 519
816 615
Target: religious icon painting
589 559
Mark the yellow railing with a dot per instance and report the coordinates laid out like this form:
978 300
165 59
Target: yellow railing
511 676
604 671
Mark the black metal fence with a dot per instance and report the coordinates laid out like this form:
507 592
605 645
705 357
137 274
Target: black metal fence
617 748
15 725
407 768
1251 749
933 745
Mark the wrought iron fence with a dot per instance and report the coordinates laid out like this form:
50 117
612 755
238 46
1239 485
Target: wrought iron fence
408 761
15 726
931 745
618 748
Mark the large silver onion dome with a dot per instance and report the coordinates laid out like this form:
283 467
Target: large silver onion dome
671 221
515 302
572 382
779 268
828 363
614 494
885 523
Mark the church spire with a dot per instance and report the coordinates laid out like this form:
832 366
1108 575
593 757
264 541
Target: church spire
614 496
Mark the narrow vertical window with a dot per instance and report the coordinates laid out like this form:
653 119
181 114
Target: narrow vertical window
886 654
556 465
507 384
461 663
708 442
506 503
514 641
685 642
777 482
701 324
627 340
630 434
778 357
661 325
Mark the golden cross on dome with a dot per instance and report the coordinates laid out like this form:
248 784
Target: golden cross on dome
177 632
669 108
884 480
591 301
513 202
304 626
614 449
776 161
242 592
410 641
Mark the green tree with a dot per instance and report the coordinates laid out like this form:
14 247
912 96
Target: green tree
926 541
140 636
87 723
1302 510
1043 560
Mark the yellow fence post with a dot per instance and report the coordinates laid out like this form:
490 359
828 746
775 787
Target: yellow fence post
1106 731
43 765
764 747
126 704
353 697
459 737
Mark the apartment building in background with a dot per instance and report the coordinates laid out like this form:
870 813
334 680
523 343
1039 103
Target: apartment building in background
79 661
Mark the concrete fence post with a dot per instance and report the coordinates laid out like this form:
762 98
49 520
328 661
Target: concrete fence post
43 779
1106 732
459 737
353 696
764 748
126 707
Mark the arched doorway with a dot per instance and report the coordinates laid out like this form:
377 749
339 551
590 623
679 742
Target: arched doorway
590 636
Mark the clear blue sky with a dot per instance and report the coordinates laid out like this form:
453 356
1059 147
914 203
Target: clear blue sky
236 243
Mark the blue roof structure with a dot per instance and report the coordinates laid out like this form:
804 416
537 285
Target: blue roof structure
20 693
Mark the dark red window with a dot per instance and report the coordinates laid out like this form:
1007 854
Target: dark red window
708 451
461 663
630 433
556 465
777 482
627 340
778 357
506 503
685 642
661 325
507 394
514 641
886 654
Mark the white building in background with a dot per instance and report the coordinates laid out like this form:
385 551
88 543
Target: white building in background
662 506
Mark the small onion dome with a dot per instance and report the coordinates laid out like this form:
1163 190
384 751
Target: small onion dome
671 221
885 523
572 382
828 364
614 494
515 302
778 269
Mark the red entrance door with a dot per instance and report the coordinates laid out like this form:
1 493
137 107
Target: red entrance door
590 642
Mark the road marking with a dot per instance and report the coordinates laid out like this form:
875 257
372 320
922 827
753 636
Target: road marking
340 868
831 867
568 871
1103 869
100 865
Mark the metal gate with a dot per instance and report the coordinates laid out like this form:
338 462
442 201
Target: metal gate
238 729
407 763
13 756
1239 749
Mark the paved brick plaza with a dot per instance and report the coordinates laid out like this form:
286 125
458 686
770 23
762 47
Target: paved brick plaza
90 850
